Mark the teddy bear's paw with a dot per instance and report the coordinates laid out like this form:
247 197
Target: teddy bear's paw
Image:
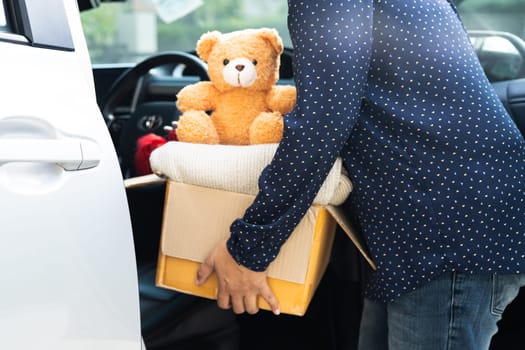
282 98
196 127
267 128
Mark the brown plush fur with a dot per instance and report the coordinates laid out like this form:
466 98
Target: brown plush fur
216 111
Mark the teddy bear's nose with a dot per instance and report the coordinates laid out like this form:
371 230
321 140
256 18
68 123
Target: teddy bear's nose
239 67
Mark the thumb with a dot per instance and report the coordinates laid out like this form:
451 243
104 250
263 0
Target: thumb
203 273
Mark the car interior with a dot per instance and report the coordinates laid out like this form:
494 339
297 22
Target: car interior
137 99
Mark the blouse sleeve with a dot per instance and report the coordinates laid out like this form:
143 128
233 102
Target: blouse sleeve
332 49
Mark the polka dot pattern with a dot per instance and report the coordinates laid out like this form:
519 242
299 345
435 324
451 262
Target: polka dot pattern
438 166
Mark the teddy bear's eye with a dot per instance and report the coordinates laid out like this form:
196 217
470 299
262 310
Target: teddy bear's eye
226 61
254 62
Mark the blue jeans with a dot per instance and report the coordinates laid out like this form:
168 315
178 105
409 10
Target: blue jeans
454 312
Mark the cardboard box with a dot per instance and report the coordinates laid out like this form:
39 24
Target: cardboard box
196 218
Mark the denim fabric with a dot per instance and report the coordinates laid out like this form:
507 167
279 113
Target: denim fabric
454 312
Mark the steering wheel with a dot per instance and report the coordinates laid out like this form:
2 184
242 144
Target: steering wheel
146 114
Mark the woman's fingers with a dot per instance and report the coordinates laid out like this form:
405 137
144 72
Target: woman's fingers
238 304
223 300
238 287
250 304
269 297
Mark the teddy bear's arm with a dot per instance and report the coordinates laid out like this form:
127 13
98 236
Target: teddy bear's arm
200 96
282 98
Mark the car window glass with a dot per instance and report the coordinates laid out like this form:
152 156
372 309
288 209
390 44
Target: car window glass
501 15
499 57
3 19
129 32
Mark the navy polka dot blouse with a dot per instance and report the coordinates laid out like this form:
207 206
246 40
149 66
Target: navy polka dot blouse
438 166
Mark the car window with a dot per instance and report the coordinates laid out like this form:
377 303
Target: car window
502 15
497 30
3 19
129 32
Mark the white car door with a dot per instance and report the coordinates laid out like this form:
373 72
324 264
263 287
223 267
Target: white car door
67 266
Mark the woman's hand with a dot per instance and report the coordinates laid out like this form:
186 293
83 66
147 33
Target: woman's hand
239 287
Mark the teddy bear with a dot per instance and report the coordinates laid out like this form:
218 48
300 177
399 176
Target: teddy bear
241 104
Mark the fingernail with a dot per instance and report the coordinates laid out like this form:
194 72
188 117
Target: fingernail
277 312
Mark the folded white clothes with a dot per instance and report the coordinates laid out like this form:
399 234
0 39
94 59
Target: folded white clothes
234 168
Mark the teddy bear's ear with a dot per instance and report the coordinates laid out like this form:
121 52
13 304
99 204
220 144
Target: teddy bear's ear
206 42
272 37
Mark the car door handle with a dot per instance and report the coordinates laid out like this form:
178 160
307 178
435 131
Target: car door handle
70 154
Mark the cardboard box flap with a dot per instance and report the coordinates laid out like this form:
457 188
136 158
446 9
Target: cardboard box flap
342 220
145 180
206 214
